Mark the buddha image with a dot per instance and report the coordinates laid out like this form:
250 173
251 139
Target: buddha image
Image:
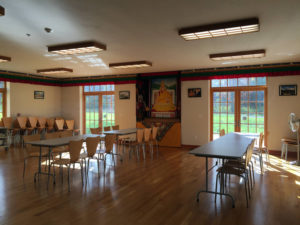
163 100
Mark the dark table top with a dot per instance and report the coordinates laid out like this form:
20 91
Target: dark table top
122 131
230 146
56 142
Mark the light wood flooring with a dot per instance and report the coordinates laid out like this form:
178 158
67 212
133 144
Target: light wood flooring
161 191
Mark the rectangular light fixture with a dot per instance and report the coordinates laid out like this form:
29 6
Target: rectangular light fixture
77 48
238 55
2 11
55 71
220 29
4 59
126 65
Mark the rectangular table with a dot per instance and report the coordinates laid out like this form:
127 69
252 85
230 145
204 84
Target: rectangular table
230 146
53 143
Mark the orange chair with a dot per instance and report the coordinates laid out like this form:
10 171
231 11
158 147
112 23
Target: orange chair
50 124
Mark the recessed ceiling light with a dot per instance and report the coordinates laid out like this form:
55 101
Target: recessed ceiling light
55 71
48 30
220 29
77 48
126 65
2 11
4 59
238 55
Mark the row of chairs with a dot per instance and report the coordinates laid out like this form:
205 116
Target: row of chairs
32 125
98 130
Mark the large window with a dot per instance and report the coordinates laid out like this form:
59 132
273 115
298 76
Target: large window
238 105
2 99
99 110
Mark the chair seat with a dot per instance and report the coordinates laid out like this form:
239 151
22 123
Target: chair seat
289 140
231 170
61 149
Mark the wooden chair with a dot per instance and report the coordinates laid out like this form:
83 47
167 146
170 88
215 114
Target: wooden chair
12 132
33 151
41 124
75 148
91 147
222 132
66 133
260 150
70 126
285 143
137 143
96 130
32 125
107 128
59 125
116 127
57 150
147 141
21 123
240 170
109 144
50 124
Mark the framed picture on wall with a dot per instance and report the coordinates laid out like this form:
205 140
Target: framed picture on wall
194 92
124 94
288 90
39 95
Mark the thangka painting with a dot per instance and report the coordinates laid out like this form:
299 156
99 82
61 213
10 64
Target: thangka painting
163 98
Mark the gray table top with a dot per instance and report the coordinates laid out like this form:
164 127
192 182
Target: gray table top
56 142
121 131
230 146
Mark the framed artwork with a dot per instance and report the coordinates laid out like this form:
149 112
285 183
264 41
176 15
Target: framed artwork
194 92
124 94
163 98
288 90
39 95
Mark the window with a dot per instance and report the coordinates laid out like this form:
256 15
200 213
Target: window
99 105
239 82
2 99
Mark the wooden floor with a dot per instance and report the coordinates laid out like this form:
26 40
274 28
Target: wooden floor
159 191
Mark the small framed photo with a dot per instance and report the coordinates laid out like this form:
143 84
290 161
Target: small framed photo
194 92
124 94
288 90
39 95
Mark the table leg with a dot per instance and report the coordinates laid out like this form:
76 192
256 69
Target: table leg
40 166
206 185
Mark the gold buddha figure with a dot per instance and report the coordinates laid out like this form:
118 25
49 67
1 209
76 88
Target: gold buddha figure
164 101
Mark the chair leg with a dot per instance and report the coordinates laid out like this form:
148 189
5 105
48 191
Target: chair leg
81 170
216 188
98 165
282 149
144 153
69 177
24 167
246 194
247 179
286 151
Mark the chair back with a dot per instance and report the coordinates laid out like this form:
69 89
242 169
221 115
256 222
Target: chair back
52 135
107 128
140 135
41 122
7 122
50 122
27 138
59 124
92 145
32 121
109 142
95 130
70 124
22 120
147 134
75 149
66 133
154 133
249 153
116 127
222 132
260 141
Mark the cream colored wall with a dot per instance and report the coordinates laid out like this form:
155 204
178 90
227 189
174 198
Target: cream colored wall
125 109
22 100
195 114
71 104
279 108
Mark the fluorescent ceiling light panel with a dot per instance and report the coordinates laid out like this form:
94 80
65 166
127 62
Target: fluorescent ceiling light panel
126 65
2 11
238 55
4 59
77 48
220 29
55 71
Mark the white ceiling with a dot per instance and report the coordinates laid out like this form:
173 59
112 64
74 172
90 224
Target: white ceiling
143 30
